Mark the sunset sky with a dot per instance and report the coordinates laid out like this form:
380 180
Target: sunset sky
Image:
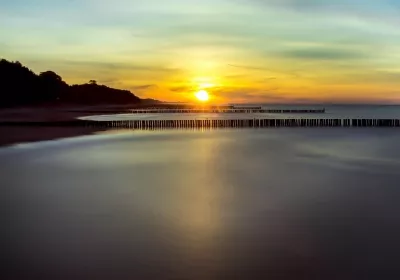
238 50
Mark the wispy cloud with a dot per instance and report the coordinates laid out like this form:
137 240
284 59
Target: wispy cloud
359 7
119 66
256 68
249 67
144 87
323 54
181 88
109 81
237 76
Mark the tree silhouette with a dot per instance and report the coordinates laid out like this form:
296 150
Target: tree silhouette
20 86
50 75
53 85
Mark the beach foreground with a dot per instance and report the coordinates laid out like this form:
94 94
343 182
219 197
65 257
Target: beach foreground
219 204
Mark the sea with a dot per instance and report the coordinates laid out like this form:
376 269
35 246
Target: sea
331 112
274 203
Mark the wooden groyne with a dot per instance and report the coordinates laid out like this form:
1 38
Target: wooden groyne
246 108
231 111
181 106
216 123
242 123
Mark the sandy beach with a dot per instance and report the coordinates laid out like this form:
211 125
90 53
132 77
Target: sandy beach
13 134
22 134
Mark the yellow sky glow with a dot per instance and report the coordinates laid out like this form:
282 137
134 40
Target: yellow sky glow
239 51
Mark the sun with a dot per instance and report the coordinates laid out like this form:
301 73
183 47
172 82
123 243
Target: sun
202 95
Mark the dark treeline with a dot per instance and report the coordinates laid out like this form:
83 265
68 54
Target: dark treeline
20 86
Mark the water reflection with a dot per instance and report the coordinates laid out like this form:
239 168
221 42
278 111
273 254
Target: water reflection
217 204
200 208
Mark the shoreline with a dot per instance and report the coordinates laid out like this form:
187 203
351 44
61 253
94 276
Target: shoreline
33 124
11 135
16 134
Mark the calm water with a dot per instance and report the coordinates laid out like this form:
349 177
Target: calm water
220 204
332 111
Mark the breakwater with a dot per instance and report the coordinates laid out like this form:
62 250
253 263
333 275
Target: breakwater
228 111
242 123
217 123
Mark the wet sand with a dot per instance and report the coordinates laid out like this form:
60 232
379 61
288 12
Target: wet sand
56 113
10 134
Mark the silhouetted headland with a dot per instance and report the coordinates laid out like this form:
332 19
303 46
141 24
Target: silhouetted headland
20 86
28 97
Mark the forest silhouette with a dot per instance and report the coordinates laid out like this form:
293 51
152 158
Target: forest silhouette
20 86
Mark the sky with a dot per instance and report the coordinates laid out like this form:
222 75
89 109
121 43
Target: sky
278 51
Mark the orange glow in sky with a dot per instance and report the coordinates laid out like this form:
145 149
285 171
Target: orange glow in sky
238 51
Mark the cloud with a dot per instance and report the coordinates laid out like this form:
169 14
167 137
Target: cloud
303 4
249 67
181 88
119 65
366 77
110 81
320 6
237 76
248 94
272 89
145 87
323 54
386 76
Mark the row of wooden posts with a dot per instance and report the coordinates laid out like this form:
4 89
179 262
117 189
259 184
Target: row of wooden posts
232 111
215 123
